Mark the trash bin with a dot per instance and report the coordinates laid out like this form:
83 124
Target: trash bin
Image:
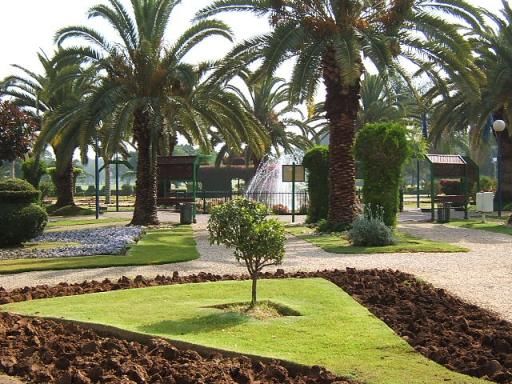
443 212
186 213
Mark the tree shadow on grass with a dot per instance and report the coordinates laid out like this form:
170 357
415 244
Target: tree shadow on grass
196 325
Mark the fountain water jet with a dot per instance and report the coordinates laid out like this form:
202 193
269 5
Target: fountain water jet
267 184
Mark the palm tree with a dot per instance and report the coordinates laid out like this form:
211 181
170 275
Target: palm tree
267 99
381 100
458 107
333 40
148 89
42 94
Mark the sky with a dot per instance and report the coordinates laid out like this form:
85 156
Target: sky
28 26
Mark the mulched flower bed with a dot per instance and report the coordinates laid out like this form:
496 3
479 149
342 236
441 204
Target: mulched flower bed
460 336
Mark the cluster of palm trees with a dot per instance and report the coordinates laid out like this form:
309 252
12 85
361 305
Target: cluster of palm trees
139 88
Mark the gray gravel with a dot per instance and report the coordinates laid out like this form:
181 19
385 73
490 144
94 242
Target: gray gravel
95 241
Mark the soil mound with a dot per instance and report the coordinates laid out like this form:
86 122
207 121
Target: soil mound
45 351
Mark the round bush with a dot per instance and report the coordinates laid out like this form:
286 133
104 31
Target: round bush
20 223
17 191
368 232
20 218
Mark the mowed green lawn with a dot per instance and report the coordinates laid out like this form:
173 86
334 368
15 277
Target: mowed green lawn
334 330
338 243
491 225
160 246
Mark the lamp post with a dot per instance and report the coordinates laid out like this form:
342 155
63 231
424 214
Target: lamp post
499 126
97 174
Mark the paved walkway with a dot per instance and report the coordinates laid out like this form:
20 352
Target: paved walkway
482 276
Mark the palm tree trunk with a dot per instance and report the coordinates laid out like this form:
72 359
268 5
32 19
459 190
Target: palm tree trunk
13 169
145 212
342 106
108 192
63 180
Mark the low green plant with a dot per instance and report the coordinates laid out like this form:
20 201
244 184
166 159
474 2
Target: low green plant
33 171
369 229
258 242
20 218
488 184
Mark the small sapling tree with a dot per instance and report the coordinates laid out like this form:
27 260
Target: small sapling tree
258 242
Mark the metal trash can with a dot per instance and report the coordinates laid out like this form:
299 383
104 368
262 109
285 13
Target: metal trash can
443 212
186 213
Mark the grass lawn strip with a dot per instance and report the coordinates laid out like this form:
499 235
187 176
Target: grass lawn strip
337 243
160 246
492 225
72 224
334 330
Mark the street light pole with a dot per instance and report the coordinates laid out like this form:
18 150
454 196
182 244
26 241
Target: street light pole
97 176
499 126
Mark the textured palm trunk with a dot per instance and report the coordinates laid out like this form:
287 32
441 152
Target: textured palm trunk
108 191
145 212
341 105
63 180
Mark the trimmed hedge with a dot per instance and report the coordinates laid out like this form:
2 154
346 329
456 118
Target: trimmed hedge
20 219
382 149
316 161
18 191
33 171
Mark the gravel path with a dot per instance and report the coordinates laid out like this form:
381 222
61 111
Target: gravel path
482 276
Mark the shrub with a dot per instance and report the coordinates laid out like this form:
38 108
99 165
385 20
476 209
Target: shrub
370 230
20 219
280 209
316 161
18 191
488 184
47 189
241 224
126 190
69 210
33 171
382 149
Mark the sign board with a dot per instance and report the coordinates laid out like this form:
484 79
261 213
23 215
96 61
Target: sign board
300 174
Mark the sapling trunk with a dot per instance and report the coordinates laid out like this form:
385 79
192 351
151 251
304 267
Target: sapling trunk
254 283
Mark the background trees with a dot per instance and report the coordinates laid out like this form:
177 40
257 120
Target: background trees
16 133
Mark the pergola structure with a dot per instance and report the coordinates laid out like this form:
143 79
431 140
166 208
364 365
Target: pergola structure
452 167
176 168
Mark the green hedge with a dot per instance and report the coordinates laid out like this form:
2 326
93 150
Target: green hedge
33 171
18 192
20 219
382 149
316 161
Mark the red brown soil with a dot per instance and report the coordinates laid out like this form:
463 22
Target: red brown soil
460 336
46 351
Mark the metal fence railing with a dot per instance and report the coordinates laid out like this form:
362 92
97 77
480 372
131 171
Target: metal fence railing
279 203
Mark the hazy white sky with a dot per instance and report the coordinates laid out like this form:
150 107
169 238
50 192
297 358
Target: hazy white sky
27 26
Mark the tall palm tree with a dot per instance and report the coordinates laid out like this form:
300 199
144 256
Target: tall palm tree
333 40
267 99
147 85
41 95
458 107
